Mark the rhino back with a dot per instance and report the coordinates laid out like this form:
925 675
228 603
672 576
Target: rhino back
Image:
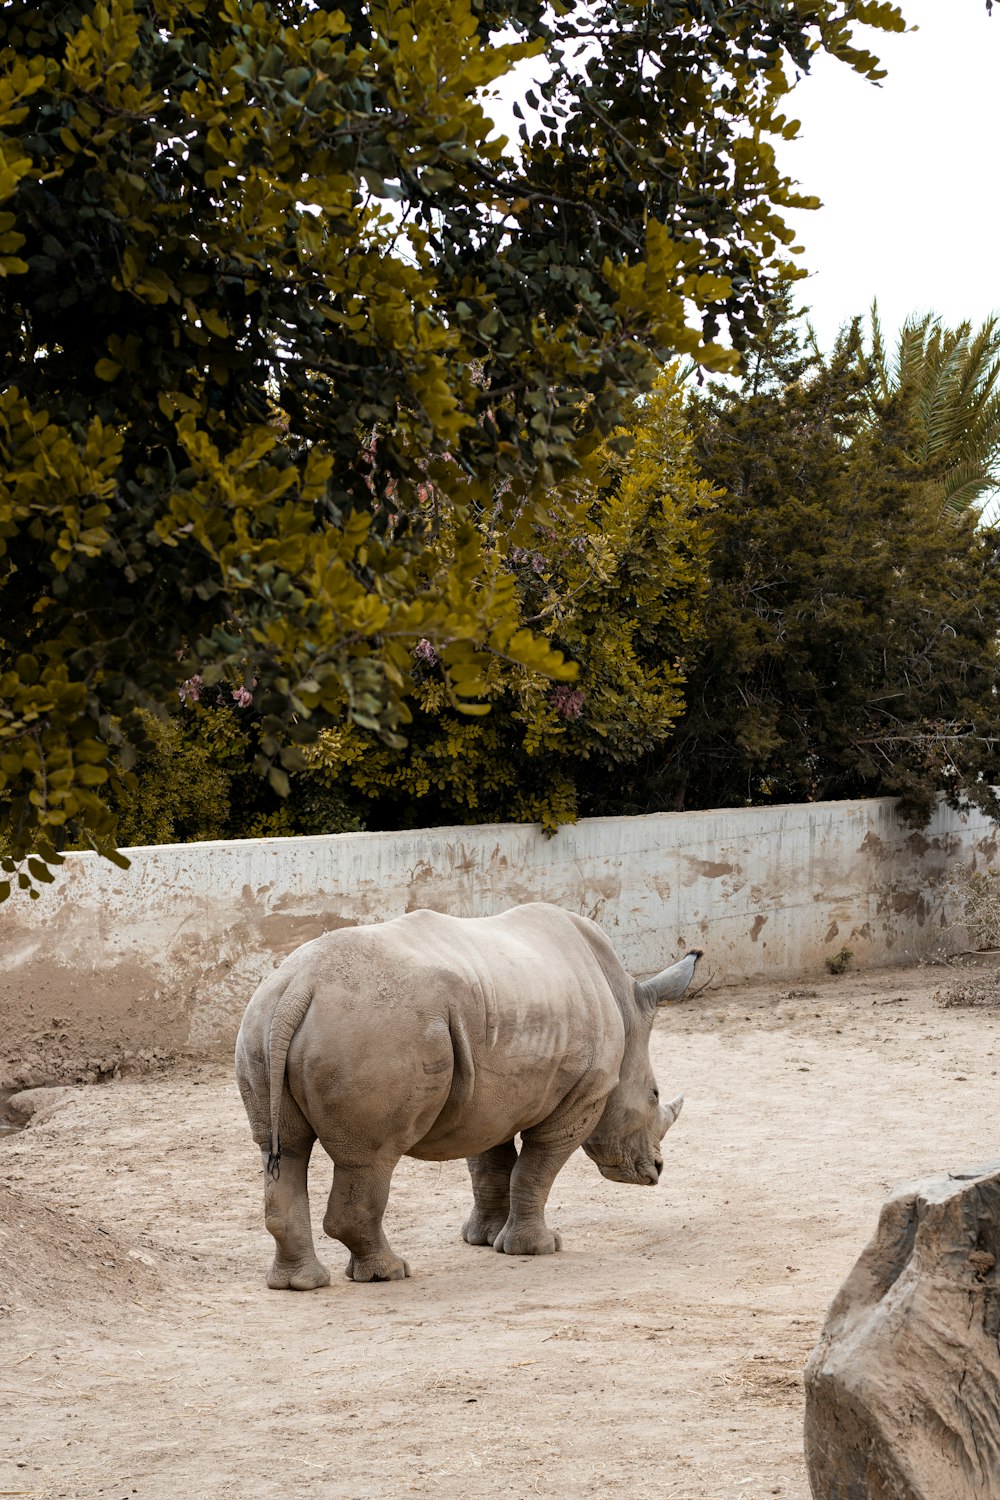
447 1035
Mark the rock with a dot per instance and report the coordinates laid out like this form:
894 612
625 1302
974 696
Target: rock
36 1104
903 1388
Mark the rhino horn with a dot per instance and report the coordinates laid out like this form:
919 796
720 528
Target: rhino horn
669 984
671 1110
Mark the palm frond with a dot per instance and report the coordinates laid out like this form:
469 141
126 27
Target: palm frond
964 489
911 352
950 380
879 357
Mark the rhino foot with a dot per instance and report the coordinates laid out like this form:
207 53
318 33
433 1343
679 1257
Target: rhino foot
481 1229
383 1266
529 1240
306 1277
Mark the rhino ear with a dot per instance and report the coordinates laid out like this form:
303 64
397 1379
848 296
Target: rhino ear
668 985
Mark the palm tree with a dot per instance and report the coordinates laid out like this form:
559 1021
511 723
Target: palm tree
950 381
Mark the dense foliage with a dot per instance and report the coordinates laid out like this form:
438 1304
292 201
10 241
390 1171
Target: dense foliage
620 593
768 597
268 280
852 623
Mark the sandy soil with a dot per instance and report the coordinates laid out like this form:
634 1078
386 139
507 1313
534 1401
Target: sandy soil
659 1354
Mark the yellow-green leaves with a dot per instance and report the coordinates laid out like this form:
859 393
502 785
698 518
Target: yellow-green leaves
878 13
435 64
54 482
98 56
19 79
617 582
299 356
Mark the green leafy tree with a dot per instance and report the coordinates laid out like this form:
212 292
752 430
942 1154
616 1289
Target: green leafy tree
181 789
266 271
194 779
851 627
618 589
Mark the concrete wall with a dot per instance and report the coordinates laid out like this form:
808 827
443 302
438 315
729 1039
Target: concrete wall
111 966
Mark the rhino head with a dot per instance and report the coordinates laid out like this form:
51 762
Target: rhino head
626 1142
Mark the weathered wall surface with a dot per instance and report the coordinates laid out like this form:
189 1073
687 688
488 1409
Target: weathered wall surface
109 965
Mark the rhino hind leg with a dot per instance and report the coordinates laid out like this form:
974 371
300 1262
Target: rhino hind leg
286 1215
354 1216
490 1173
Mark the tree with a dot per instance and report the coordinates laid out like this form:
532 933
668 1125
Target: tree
950 380
619 592
851 628
266 274
618 589
194 780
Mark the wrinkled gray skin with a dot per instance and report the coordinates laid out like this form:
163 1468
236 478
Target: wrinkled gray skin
440 1037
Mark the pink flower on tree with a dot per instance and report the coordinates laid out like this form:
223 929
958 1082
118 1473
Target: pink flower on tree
568 701
190 691
424 651
242 697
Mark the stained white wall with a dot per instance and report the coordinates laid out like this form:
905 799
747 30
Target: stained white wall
164 956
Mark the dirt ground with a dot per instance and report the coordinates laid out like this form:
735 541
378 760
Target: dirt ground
659 1354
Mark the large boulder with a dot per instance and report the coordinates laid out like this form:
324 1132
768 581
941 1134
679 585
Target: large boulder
903 1388
35 1105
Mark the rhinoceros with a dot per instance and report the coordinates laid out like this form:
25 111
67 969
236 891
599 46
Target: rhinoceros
440 1037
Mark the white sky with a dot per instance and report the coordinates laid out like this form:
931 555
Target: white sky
906 172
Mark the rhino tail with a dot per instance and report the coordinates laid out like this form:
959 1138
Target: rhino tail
289 1013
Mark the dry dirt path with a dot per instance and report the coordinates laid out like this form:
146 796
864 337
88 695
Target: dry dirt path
659 1354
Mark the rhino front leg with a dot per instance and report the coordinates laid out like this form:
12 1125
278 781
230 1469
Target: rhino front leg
490 1173
286 1216
354 1216
526 1232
